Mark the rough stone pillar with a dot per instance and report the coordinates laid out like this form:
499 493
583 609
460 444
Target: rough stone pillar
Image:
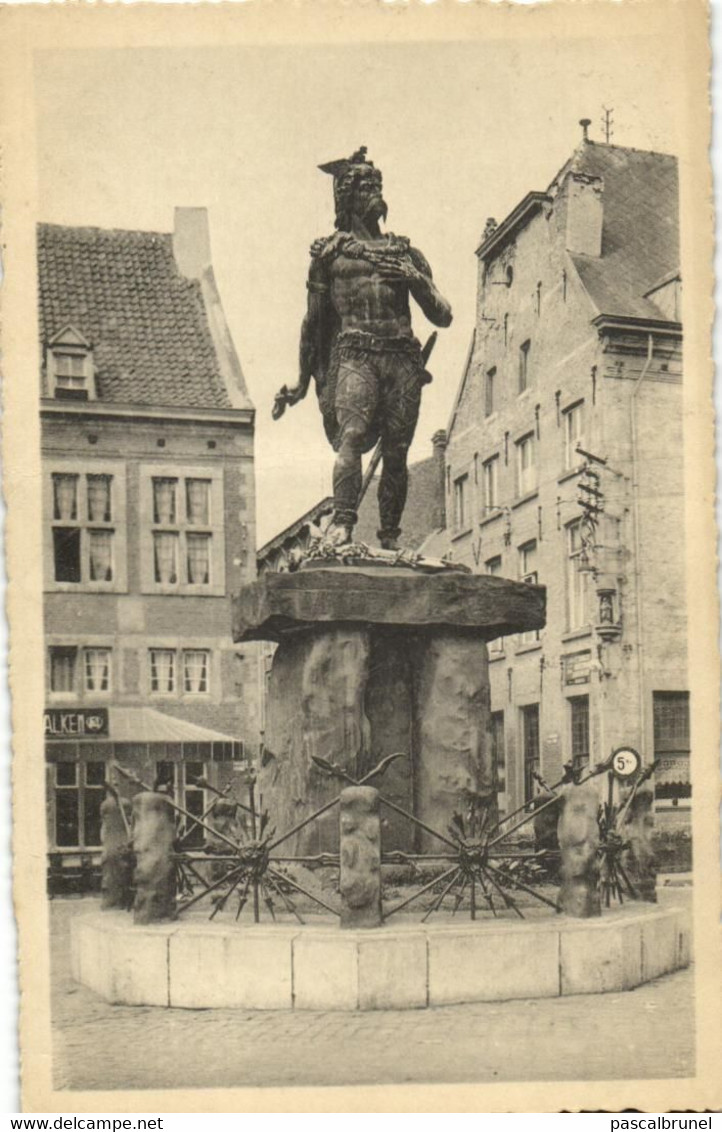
116 862
638 861
315 707
153 838
452 748
578 834
388 709
360 857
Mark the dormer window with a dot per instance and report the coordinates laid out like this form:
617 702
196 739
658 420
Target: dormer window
69 361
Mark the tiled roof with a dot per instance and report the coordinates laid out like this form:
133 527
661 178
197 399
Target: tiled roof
640 236
145 321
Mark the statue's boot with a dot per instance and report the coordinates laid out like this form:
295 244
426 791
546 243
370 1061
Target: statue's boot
389 539
337 534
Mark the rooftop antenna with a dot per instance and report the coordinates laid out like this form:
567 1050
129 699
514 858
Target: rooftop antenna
585 123
608 123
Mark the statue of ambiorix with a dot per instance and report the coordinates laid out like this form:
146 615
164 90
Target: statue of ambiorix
357 343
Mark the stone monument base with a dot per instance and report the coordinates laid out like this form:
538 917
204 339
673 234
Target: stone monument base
374 660
202 965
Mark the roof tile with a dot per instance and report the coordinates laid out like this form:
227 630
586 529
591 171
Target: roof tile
146 322
640 237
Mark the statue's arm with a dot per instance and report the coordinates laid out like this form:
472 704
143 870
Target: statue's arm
311 329
422 287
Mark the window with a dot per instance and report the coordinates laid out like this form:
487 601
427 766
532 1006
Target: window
162 671
498 754
97 670
198 501
489 391
527 563
461 486
184 545
82 528
526 465
538 298
66 554
190 676
198 548
196 676
490 480
70 375
193 801
528 573
69 365
671 746
182 783
579 726
62 670
99 498
524 350
577 586
530 748
493 566
573 435
165 556
79 793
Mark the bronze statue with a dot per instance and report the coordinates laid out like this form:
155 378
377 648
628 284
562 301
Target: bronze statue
357 343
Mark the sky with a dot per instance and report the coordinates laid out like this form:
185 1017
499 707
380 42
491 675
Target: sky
461 132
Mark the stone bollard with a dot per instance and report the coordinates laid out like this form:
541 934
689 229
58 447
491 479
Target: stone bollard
638 861
578 834
360 857
153 838
116 862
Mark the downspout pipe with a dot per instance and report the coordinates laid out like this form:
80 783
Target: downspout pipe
638 587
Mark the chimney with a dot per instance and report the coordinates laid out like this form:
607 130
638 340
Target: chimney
191 241
438 515
585 213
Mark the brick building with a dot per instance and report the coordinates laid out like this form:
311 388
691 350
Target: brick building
564 466
148 512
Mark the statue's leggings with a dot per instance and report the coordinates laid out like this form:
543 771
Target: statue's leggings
385 388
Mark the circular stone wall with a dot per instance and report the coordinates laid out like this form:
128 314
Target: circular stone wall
196 964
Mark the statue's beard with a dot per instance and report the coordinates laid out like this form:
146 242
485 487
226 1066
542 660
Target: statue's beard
377 210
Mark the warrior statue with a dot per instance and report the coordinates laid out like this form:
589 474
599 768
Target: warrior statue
356 342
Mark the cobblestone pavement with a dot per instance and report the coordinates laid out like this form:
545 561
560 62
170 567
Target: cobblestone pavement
647 1032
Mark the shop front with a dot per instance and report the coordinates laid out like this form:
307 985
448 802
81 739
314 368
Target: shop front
83 750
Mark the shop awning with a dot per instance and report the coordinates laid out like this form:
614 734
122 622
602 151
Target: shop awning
146 725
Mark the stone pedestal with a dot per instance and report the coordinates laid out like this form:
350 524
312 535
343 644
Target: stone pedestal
153 838
638 861
116 862
578 834
360 857
372 661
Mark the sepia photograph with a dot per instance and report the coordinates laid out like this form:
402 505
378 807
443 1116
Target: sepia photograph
359 466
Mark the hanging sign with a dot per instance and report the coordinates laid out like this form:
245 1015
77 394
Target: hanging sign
77 723
626 762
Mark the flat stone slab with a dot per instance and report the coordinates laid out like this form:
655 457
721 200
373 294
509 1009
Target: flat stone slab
394 596
286 966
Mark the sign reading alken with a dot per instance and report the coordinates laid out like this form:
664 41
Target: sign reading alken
76 723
